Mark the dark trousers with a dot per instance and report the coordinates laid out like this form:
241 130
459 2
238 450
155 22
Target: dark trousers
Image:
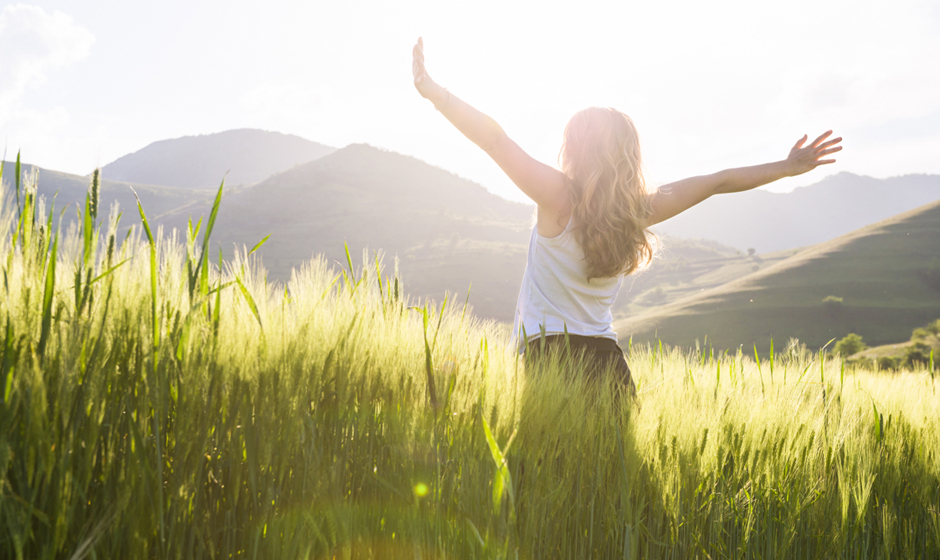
589 356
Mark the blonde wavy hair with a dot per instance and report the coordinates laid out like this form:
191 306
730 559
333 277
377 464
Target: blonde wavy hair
610 202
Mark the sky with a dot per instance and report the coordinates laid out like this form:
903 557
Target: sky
709 85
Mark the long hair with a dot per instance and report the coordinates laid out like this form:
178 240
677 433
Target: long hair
610 202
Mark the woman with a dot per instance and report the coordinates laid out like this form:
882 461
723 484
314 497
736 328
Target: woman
592 219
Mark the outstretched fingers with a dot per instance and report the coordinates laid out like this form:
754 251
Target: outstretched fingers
829 144
821 137
800 142
826 148
823 150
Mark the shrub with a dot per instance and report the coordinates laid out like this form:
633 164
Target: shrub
917 355
832 303
863 363
888 363
851 344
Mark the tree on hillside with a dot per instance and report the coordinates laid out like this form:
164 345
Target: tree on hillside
920 334
851 344
929 335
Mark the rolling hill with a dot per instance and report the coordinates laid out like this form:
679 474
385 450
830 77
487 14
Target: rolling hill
447 232
686 266
887 274
808 215
243 156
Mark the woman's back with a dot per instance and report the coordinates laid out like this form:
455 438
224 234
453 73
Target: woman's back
556 296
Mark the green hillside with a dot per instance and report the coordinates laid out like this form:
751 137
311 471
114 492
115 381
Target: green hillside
243 157
70 190
447 232
687 267
887 274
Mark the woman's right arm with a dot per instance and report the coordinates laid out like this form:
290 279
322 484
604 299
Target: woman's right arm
541 183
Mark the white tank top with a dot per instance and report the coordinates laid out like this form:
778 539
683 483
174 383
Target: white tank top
556 295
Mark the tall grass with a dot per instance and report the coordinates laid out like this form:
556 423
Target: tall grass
159 405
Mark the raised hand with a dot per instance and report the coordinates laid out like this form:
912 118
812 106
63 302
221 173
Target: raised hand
423 83
806 158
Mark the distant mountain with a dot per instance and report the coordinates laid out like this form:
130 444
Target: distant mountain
243 156
447 232
808 215
886 274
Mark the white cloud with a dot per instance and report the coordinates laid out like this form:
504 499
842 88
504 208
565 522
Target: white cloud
33 42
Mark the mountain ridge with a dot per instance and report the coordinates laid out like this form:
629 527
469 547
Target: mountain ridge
241 156
807 215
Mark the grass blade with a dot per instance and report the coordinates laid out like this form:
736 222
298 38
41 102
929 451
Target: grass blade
216 309
428 358
466 303
250 301
258 245
18 170
352 273
440 319
771 361
203 271
759 372
48 292
155 325
502 480
500 463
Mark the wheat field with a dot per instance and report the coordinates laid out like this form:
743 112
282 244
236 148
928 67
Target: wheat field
160 403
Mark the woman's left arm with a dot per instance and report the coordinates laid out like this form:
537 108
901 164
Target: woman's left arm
677 197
